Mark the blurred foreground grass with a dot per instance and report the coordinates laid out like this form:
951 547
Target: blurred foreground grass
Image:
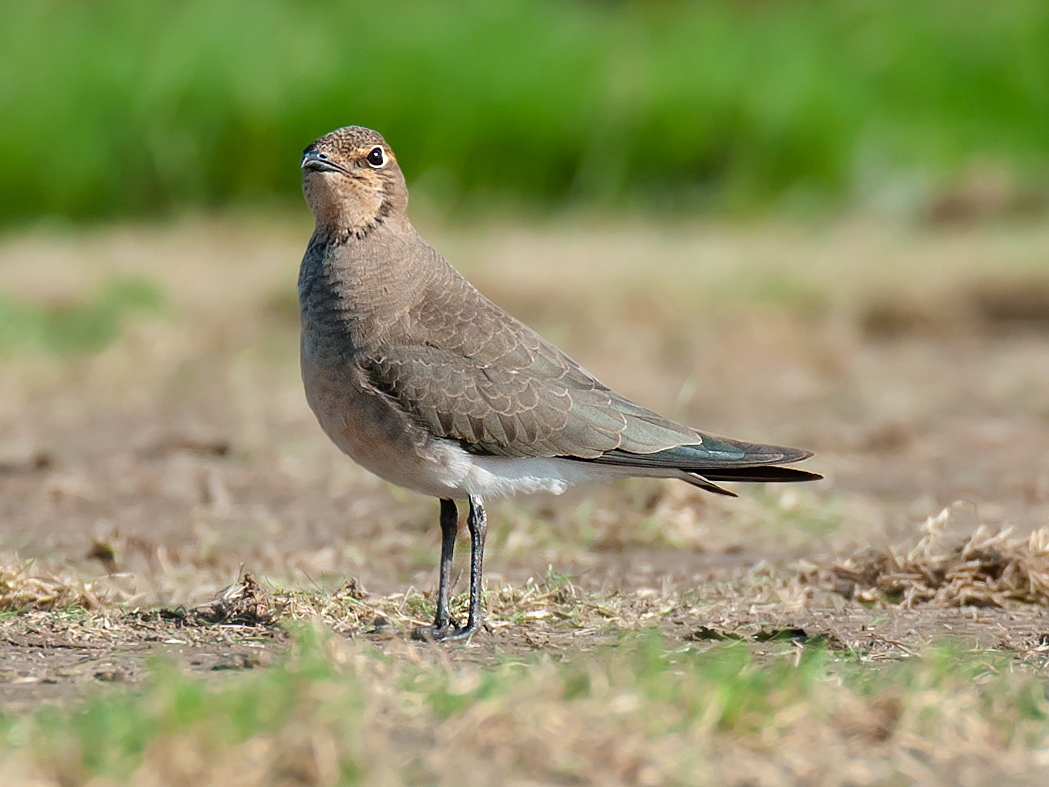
342 712
120 107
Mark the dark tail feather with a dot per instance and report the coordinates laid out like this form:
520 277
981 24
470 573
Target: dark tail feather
770 473
705 479
697 480
717 459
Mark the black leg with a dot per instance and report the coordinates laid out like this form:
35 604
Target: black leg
443 625
443 628
449 530
478 524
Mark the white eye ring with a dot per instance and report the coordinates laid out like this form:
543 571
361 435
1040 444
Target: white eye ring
376 158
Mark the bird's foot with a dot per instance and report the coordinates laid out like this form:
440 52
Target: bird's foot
449 633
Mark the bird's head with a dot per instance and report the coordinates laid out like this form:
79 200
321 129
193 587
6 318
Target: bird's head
351 180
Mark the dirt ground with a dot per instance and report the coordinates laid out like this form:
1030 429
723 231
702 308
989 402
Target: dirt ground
151 475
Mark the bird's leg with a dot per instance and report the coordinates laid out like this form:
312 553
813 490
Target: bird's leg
443 626
449 530
478 524
477 521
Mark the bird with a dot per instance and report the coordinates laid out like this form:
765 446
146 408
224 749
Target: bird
425 382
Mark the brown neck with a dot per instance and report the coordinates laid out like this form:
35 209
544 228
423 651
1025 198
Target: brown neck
359 288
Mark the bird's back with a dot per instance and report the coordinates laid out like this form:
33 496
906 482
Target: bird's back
459 365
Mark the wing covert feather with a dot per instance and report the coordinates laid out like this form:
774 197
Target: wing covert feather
466 370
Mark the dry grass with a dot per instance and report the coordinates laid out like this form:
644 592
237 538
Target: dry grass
991 567
24 588
638 714
761 680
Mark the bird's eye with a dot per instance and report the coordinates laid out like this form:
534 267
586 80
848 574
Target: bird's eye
376 158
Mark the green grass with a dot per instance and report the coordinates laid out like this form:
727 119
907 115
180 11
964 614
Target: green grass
66 329
347 714
119 107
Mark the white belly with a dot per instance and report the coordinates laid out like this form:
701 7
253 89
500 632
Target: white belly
500 476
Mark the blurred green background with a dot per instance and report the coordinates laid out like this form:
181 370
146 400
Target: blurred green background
117 108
